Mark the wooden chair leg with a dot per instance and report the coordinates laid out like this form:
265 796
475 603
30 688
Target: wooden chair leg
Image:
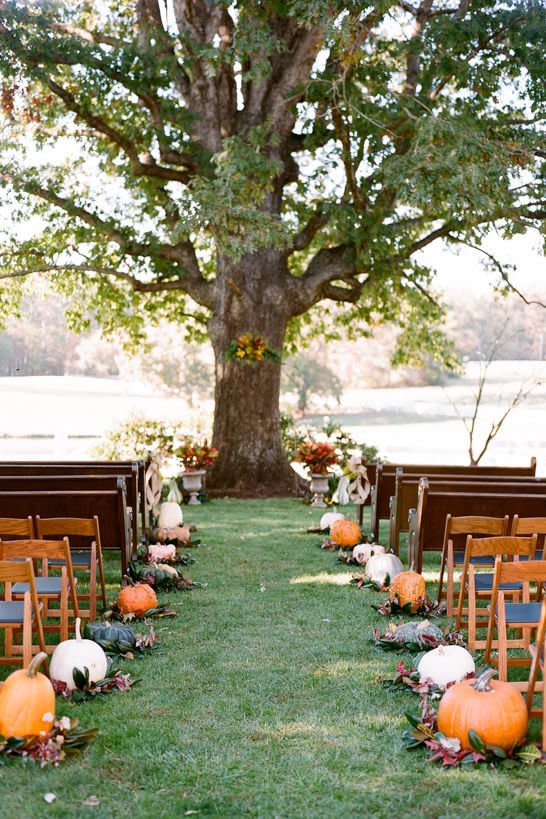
63 625
27 630
502 639
450 580
93 583
471 610
102 577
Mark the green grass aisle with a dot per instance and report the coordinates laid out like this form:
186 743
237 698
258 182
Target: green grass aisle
264 701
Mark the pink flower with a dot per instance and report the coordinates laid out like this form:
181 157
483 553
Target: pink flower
162 551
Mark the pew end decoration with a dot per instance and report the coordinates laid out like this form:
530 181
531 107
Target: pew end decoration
120 640
28 728
446 664
381 569
478 721
416 637
408 588
79 655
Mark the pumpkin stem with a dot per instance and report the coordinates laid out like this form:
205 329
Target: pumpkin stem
35 663
77 628
482 683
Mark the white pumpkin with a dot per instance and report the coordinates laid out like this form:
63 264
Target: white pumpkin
380 566
170 515
363 551
328 518
445 664
80 654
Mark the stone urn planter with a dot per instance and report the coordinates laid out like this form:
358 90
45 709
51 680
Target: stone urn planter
319 487
192 481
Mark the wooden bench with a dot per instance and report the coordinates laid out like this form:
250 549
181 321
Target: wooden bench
79 483
109 505
132 471
407 488
385 479
427 521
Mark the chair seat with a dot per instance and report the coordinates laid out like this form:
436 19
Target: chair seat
11 611
78 559
522 612
484 582
477 560
44 585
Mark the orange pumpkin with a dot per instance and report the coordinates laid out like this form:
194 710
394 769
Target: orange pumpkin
345 532
495 710
27 702
409 587
137 599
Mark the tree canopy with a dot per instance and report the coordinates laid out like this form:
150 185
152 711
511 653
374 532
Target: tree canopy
271 167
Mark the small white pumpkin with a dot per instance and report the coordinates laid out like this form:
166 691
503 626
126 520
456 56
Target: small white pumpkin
80 654
445 664
363 551
328 518
170 515
381 566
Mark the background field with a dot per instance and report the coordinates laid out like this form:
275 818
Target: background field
407 424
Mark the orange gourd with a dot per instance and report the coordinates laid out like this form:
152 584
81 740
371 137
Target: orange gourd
27 702
137 599
409 587
345 532
495 710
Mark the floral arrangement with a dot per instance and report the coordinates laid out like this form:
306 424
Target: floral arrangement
317 456
66 737
194 455
250 347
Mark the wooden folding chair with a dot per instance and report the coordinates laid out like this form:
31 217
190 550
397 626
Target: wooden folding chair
49 588
16 615
479 585
522 616
17 527
458 528
87 560
531 526
537 663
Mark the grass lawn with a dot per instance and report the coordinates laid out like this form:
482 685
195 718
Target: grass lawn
264 701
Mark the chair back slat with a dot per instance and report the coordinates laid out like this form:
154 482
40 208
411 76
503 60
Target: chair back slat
85 527
528 571
38 549
504 545
11 572
476 525
18 527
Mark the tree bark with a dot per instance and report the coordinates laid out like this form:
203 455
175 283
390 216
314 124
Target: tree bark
250 299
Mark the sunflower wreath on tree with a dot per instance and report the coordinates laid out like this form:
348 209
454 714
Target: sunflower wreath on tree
251 348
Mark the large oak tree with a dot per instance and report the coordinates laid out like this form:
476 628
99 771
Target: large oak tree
272 168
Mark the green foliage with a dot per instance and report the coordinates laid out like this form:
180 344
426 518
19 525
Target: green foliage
294 434
137 438
154 160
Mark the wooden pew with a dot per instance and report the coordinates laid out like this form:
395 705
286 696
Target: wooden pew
385 478
132 471
108 504
427 521
407 488
93 483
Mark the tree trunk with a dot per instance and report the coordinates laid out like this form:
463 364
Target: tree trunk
246 412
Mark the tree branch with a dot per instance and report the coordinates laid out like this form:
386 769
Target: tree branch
306 235
141 164
499 267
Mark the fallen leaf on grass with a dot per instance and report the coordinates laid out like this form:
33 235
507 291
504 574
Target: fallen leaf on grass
91 801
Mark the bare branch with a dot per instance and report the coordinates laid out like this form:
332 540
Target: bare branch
499 267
